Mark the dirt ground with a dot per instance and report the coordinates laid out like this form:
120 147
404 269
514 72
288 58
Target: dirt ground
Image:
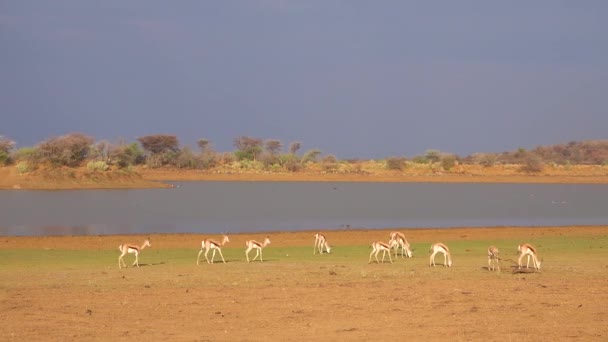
326 297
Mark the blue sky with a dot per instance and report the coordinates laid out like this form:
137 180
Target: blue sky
366 79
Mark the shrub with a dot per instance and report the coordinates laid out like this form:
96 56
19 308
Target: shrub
4 158
488 160
330 158
208 160
310 155
420 160
28 154
23 167
126 155
329 167
448 162
251 165
290 162
532 164
98 165
395 163
275 168
432 155
186 159
67 150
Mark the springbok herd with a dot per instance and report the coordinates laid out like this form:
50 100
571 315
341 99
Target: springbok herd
397 242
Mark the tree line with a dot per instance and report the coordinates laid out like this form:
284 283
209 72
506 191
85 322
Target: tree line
163 150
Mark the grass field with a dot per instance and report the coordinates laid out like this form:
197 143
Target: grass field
70 288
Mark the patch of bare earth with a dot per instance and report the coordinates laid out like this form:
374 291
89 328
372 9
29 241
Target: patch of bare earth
341 299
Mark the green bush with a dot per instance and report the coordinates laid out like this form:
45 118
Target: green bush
23 167
28 154
98 165
448 162
126 155
251 165
420 160
4 158
275 168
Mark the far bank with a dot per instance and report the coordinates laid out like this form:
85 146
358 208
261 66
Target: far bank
143 177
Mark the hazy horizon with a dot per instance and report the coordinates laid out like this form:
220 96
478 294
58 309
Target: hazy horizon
355 79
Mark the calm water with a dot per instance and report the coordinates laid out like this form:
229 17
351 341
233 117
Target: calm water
212 207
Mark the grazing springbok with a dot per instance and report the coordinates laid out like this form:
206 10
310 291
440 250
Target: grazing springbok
493 258
440 248
529 250
321 244
397 239
252 244
133 249
376 248
209 244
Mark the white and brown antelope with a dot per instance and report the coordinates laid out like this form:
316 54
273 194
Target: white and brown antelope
252 244
209 244
529 250
321 244
376 248
132 249
440 248
398 240
493 258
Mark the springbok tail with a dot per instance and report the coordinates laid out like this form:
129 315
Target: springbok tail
120 248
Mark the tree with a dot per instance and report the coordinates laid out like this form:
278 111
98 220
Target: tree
159 143
432 155
247 147
310 155
294 147
203 144
273 146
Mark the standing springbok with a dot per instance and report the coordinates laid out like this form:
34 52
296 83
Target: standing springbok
133 249
376 248
493 258
252 244
321 244
529 250
208 244
397 239
440 248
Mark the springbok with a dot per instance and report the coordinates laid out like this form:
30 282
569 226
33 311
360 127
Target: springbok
493 258
529 250
440 248
208 244
132 249
252 244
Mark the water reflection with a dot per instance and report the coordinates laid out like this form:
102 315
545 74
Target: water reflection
213 207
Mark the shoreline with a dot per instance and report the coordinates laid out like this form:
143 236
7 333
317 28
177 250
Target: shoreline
144 178
340 237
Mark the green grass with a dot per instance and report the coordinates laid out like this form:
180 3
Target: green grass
286 265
